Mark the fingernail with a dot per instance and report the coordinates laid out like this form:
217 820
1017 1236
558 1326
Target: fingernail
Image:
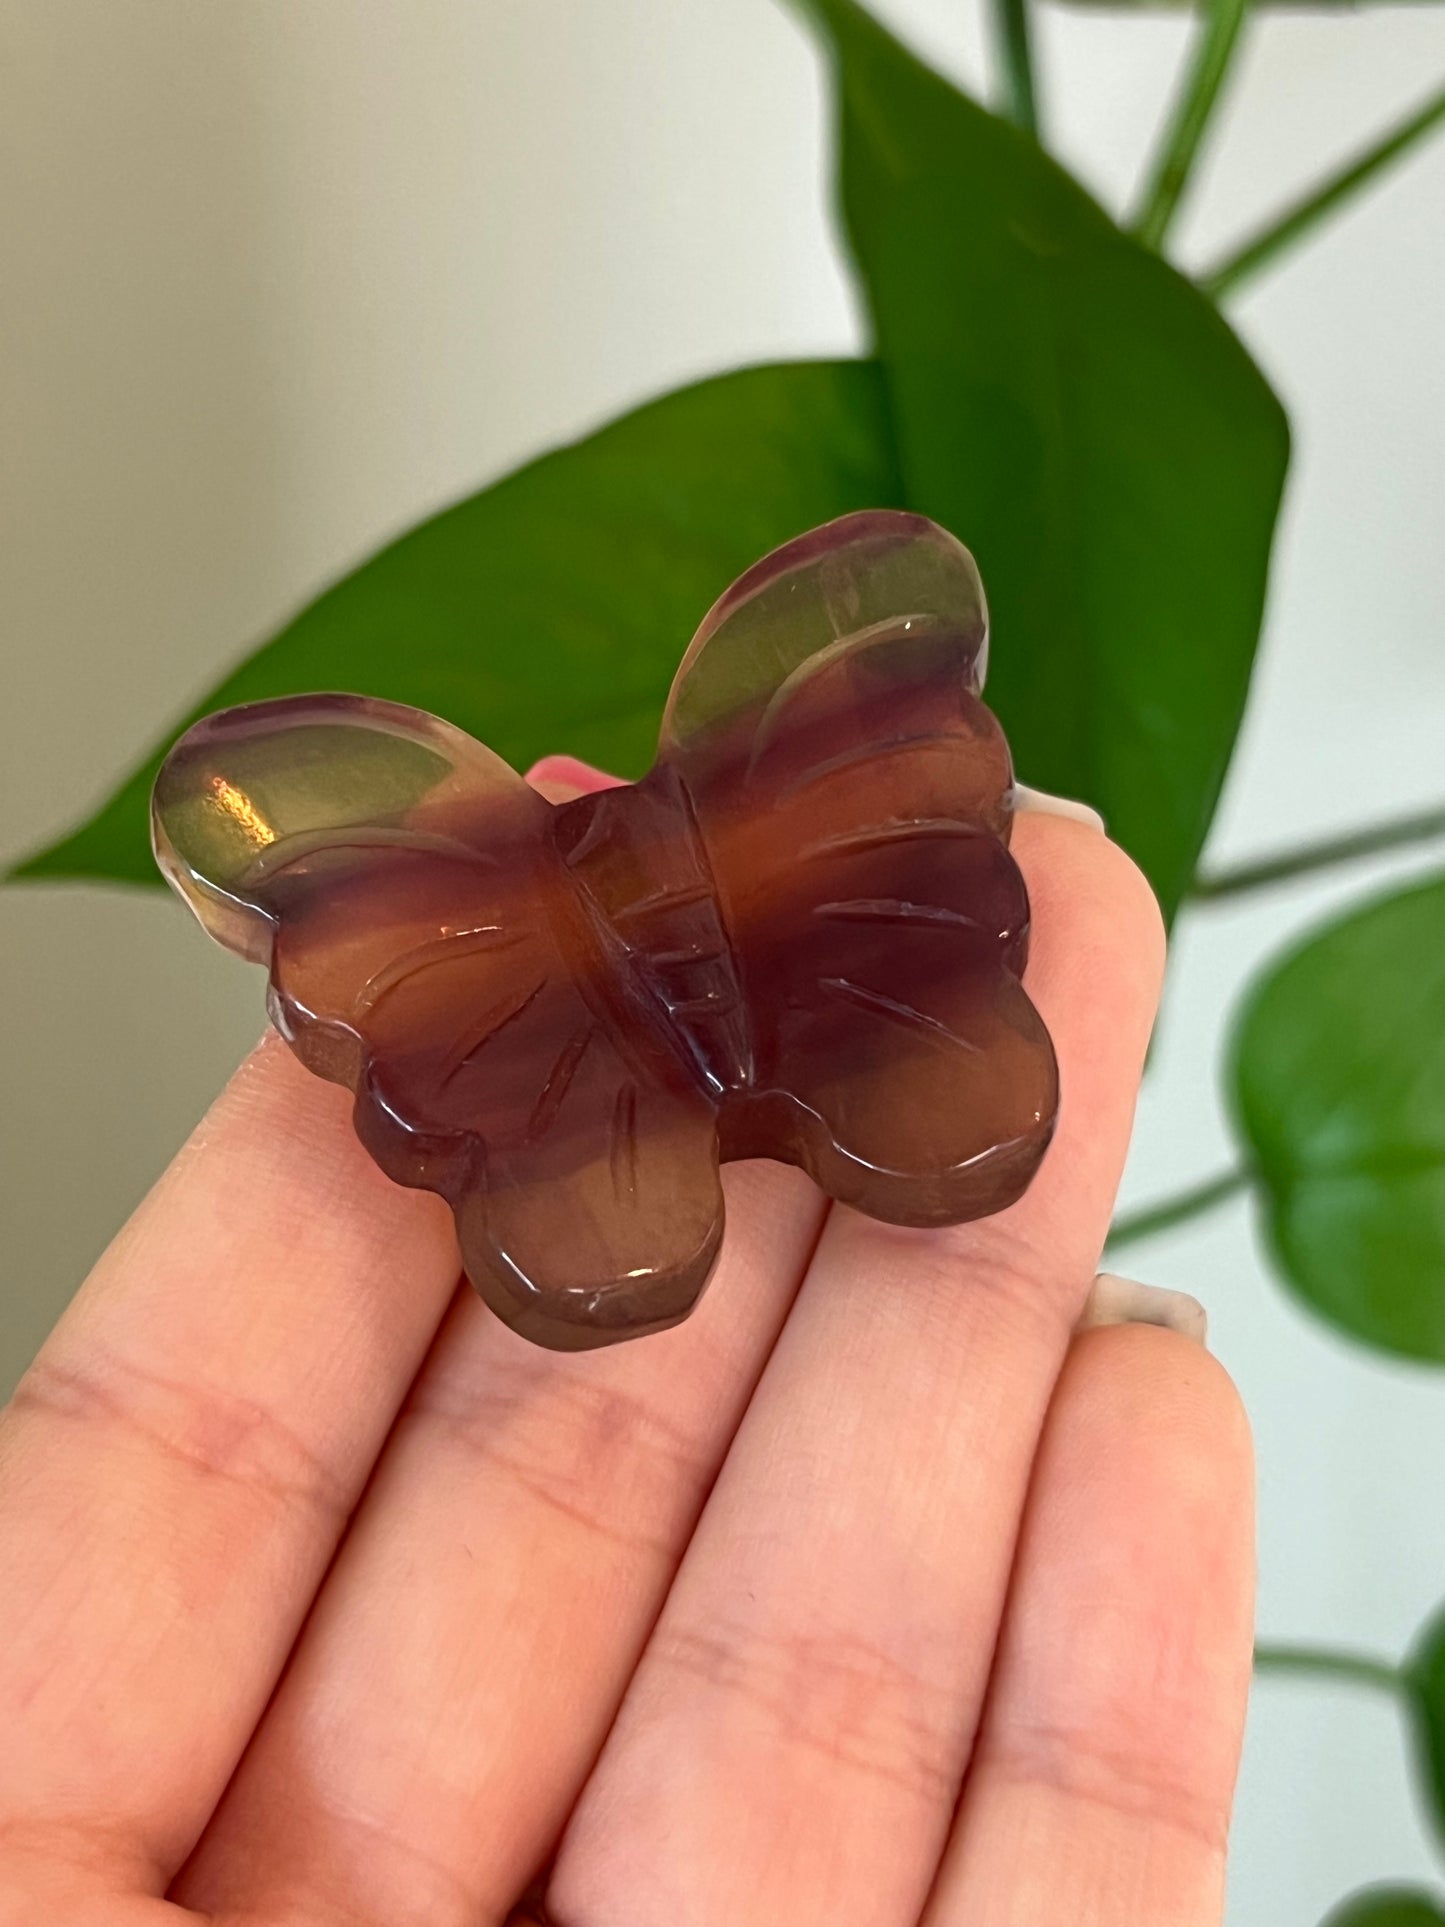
1027 799
1124 1301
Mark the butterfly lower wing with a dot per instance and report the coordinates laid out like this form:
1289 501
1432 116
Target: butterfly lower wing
596 1211
901 1054
488 1067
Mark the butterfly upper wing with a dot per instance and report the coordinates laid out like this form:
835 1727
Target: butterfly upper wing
426 949
876 567
855 802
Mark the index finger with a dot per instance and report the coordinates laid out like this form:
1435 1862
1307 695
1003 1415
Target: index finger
178 1464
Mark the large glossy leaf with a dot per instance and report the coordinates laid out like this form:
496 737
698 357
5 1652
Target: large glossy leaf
549 612
1084 419
1388 1907
1339 1089
1425 1685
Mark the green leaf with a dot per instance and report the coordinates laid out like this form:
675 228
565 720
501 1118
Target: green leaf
1338 1083
1425 1685
549 611
1388 1907
1084 419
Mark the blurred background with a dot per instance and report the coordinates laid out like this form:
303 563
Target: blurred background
281 280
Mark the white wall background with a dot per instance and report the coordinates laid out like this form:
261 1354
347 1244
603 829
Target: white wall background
280 279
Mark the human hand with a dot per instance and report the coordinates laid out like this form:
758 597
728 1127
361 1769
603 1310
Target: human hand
871 1595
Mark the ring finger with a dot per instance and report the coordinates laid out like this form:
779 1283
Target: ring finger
1100 1788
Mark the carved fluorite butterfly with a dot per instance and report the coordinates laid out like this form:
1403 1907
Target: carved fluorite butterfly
800 936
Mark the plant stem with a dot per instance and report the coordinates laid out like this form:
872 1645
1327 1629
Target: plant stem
1013 39
1192 110
1285 228
1321 1663
1175 1210
1418 828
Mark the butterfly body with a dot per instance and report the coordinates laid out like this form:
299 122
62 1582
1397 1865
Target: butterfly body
638 858
799 936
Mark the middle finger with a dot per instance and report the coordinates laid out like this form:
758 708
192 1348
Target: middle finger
793 1743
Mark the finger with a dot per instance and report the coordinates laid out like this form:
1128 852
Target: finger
469 1650
1100 1789
559 778
793 1743
177 1466
468 1653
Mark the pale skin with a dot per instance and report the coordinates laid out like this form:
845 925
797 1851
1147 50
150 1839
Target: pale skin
870 1596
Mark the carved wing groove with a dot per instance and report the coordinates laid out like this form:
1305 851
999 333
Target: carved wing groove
862 754
893 910
881 836
623 1154
453 947
490 1026
558 1082
278 857
846 991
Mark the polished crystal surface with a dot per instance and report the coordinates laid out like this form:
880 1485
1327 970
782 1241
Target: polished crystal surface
800 936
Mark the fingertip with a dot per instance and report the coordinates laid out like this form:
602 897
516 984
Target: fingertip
1139 907
560 778
1094 973
1081 880
1145 1392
